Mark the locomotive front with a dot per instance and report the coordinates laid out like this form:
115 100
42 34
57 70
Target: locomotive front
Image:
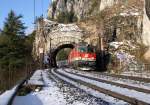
82 57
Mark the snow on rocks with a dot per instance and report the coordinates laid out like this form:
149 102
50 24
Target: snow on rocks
123 53
130 14
61 27
115 44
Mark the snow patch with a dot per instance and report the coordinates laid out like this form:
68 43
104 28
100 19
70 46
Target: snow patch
36 79
48 95
6 96
129 14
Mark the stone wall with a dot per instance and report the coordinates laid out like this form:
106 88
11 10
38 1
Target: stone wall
52 35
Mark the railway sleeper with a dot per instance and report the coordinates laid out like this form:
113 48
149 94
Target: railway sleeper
130 100
114 83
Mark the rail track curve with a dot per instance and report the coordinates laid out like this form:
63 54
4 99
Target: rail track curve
81 79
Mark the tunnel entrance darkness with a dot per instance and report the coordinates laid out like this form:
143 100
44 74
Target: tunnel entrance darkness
55 52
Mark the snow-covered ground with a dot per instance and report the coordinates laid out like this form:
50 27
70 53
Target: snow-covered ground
127 92
141 73
36 78
49 95
5 97
76 96
109 99
56 94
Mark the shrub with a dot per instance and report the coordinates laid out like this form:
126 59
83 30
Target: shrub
66 17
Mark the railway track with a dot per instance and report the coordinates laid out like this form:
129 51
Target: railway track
13 94
145 80
81 79
114 83
17 88
135 78
133 81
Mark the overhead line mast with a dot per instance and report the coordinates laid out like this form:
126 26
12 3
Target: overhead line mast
41 57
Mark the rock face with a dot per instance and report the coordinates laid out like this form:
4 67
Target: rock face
80 8
147 6
146 28
107 3
122 19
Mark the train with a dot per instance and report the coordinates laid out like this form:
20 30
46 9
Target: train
82 57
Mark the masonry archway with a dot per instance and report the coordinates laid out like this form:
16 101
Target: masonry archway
51 37
55 52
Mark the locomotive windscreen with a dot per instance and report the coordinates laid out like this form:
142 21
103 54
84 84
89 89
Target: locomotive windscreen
88 49
82 49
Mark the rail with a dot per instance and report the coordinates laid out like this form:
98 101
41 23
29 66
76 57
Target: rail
113 83
128 99
135 78
13 94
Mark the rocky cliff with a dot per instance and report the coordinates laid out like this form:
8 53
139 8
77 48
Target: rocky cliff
146 28
79 8
147 6
83 8
118 20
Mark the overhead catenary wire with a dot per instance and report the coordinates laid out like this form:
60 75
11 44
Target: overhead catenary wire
34 11
42 6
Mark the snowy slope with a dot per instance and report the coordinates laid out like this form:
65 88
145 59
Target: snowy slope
36 79
49 95
6 96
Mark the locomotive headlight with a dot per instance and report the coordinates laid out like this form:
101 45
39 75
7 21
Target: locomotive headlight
92 58
86 55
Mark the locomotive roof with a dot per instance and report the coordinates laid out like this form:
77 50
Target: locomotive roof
82 44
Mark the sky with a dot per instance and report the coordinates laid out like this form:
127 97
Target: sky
25 8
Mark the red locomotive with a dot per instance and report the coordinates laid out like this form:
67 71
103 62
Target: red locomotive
82 57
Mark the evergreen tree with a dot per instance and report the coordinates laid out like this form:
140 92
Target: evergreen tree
63 54
13 48
0 31
67 17
13 25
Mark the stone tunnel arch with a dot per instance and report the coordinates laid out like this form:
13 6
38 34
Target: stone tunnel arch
53 37
55 52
